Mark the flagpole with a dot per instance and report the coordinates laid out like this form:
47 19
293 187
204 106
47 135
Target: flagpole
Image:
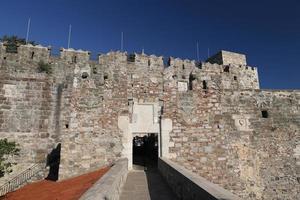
208 52
28 27
198 52
122 40
69 37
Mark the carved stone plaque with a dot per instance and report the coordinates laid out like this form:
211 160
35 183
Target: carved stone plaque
242 122
182 86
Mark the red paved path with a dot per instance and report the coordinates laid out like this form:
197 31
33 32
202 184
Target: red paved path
69 189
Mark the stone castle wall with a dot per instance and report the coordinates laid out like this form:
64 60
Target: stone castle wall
231 144
215 108
27 115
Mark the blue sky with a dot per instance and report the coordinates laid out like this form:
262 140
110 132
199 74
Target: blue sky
268 32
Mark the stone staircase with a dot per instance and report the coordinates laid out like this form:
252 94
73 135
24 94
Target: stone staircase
35 172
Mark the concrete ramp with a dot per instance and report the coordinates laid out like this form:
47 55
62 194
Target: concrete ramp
146 185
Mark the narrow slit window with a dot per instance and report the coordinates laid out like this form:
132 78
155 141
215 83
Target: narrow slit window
235 78
191 79
74 59
32 55
169 62
204 84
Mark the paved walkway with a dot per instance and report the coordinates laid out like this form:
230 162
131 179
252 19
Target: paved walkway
146 185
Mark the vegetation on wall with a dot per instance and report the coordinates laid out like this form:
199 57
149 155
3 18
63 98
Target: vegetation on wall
44 67
12 43
7 149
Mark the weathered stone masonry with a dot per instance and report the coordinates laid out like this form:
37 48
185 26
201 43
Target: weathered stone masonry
212 117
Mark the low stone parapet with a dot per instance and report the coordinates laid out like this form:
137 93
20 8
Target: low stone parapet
188 185
109 186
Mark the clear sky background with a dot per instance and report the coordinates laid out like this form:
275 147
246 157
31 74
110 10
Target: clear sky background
267 31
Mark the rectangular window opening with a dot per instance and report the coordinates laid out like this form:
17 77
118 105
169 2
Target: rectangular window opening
264 114
131 58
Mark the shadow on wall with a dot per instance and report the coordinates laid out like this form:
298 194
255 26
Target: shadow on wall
53 161
158 188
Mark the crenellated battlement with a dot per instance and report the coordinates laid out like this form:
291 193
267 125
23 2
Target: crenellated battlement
227 68
149 60
38 52
34 53
75 56
177 62
112 57
182 68
230 67
2 49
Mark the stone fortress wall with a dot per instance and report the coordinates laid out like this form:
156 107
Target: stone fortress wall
223 126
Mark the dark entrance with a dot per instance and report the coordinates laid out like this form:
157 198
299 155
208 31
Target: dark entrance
145 151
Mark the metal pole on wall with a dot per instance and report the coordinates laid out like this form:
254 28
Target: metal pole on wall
69 38
208 52
198 52
122 41
28 27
